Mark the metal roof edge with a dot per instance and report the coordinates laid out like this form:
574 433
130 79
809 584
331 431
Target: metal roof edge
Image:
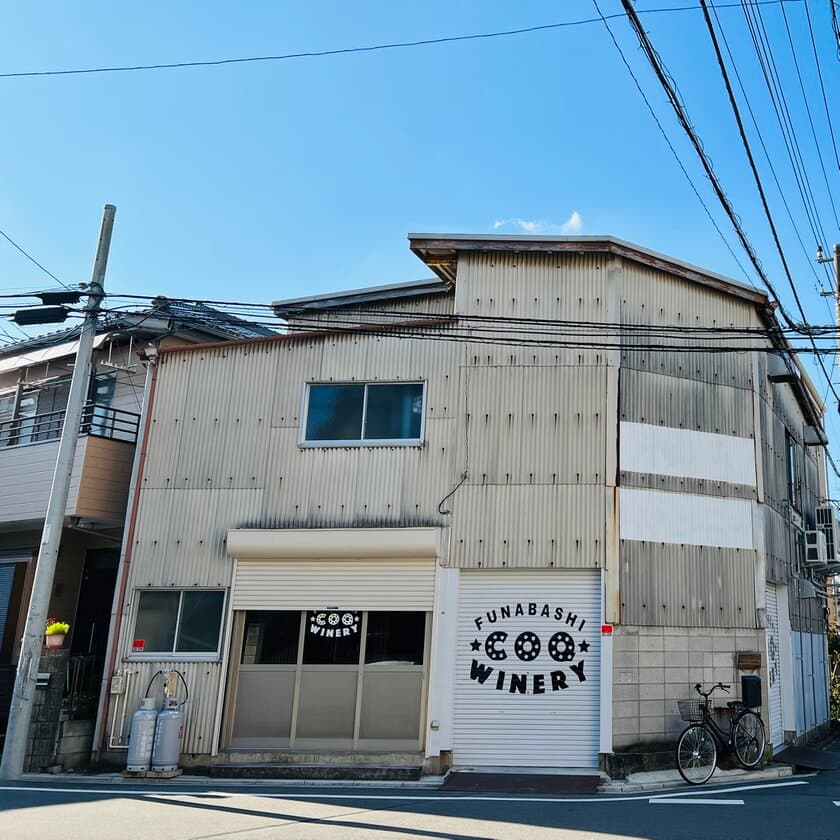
350 297
440 242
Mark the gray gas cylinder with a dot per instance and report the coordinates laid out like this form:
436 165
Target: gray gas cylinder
141 736
169 731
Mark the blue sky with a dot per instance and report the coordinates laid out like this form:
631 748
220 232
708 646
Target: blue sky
263 181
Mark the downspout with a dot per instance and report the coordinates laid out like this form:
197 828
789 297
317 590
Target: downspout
125 553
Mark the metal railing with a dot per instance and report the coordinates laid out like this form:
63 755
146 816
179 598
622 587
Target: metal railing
84 674
97 420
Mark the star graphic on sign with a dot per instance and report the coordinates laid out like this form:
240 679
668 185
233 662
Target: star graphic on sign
584 646
475 644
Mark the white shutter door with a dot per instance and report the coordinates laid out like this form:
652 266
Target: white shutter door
774 668
347 584
528 678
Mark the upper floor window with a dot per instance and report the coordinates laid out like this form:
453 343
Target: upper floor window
372 413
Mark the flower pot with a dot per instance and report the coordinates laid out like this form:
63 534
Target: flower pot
54 640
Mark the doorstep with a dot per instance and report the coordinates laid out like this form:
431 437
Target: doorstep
665 779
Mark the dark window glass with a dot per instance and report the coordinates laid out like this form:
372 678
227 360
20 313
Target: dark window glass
157 614
335 412
332 638
271 638
394 412
201 620
395 637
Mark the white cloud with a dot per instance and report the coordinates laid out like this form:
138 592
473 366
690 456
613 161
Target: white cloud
573 224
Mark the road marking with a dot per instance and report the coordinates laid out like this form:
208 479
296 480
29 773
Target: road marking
675 801
115 790
837 804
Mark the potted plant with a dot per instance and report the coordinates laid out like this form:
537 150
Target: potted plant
54 632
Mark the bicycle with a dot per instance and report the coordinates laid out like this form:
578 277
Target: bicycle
697 748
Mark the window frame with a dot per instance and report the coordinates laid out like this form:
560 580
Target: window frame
304 443
793 478
174 655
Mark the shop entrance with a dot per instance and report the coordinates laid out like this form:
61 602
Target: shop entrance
329 679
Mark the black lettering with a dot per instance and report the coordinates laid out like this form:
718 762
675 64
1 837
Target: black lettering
582 622
479 671
491 616
518 682
532 609
571 618
519 610
490 645
478 623
506 611
558 614
539 684
561 647
558 680
545 612
500 680
578 669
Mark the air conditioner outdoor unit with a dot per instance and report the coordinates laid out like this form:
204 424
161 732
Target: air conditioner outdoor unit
828 525
816 553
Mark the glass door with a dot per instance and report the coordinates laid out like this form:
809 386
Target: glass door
330 679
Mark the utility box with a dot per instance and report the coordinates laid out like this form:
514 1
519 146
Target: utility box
751 690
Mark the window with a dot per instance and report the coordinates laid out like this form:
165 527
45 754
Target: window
173 622
271 638
794 485
395 637
364 413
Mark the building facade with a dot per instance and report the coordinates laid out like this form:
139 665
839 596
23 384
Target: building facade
34 387
504 517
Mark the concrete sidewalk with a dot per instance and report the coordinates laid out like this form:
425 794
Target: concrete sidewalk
667 779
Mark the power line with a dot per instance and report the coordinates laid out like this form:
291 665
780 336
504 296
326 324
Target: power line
366 49
748 150
31 258
819 73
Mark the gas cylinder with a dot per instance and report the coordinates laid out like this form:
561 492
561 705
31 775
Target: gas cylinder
169 732
141 736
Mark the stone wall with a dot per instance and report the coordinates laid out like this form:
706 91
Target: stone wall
43 730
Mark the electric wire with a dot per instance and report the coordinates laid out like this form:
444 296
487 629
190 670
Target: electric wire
757 177
355 50
31 258
820 75
769 158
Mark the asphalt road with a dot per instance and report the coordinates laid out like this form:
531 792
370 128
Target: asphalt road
800 807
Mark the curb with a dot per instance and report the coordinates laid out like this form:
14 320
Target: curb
728 777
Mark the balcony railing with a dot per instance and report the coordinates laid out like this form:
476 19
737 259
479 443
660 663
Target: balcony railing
97 420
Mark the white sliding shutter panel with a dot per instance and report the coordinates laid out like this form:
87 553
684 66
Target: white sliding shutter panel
774 668
347 584
527 688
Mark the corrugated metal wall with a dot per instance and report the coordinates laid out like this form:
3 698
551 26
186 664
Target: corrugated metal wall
687 585
386 312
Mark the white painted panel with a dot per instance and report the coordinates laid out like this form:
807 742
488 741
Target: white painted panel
496 724
662 450
685 518
347 584
774 669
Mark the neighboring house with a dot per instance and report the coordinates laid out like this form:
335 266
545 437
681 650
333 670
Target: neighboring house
34 385
480 520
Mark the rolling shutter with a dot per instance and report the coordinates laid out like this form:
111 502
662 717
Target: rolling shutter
554 721
347 584
774 668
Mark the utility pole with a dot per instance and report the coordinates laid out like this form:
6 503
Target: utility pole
20 714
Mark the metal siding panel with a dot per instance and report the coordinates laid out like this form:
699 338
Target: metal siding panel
348 584
685 404
556 729
529 526
686 586
775 731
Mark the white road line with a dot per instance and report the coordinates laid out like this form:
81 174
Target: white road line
837 804
696 801
116 791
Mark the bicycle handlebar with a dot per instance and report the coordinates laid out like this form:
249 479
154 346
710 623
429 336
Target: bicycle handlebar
698 688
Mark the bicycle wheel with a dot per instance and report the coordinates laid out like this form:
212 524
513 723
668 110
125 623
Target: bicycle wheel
748 739
696 754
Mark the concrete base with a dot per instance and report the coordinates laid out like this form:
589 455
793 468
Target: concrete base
152 774
667 779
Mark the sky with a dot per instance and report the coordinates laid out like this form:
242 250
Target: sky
263 181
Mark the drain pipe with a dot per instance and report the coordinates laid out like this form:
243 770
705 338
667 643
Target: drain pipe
150 357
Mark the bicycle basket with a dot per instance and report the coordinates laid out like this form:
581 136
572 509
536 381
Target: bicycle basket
691 710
